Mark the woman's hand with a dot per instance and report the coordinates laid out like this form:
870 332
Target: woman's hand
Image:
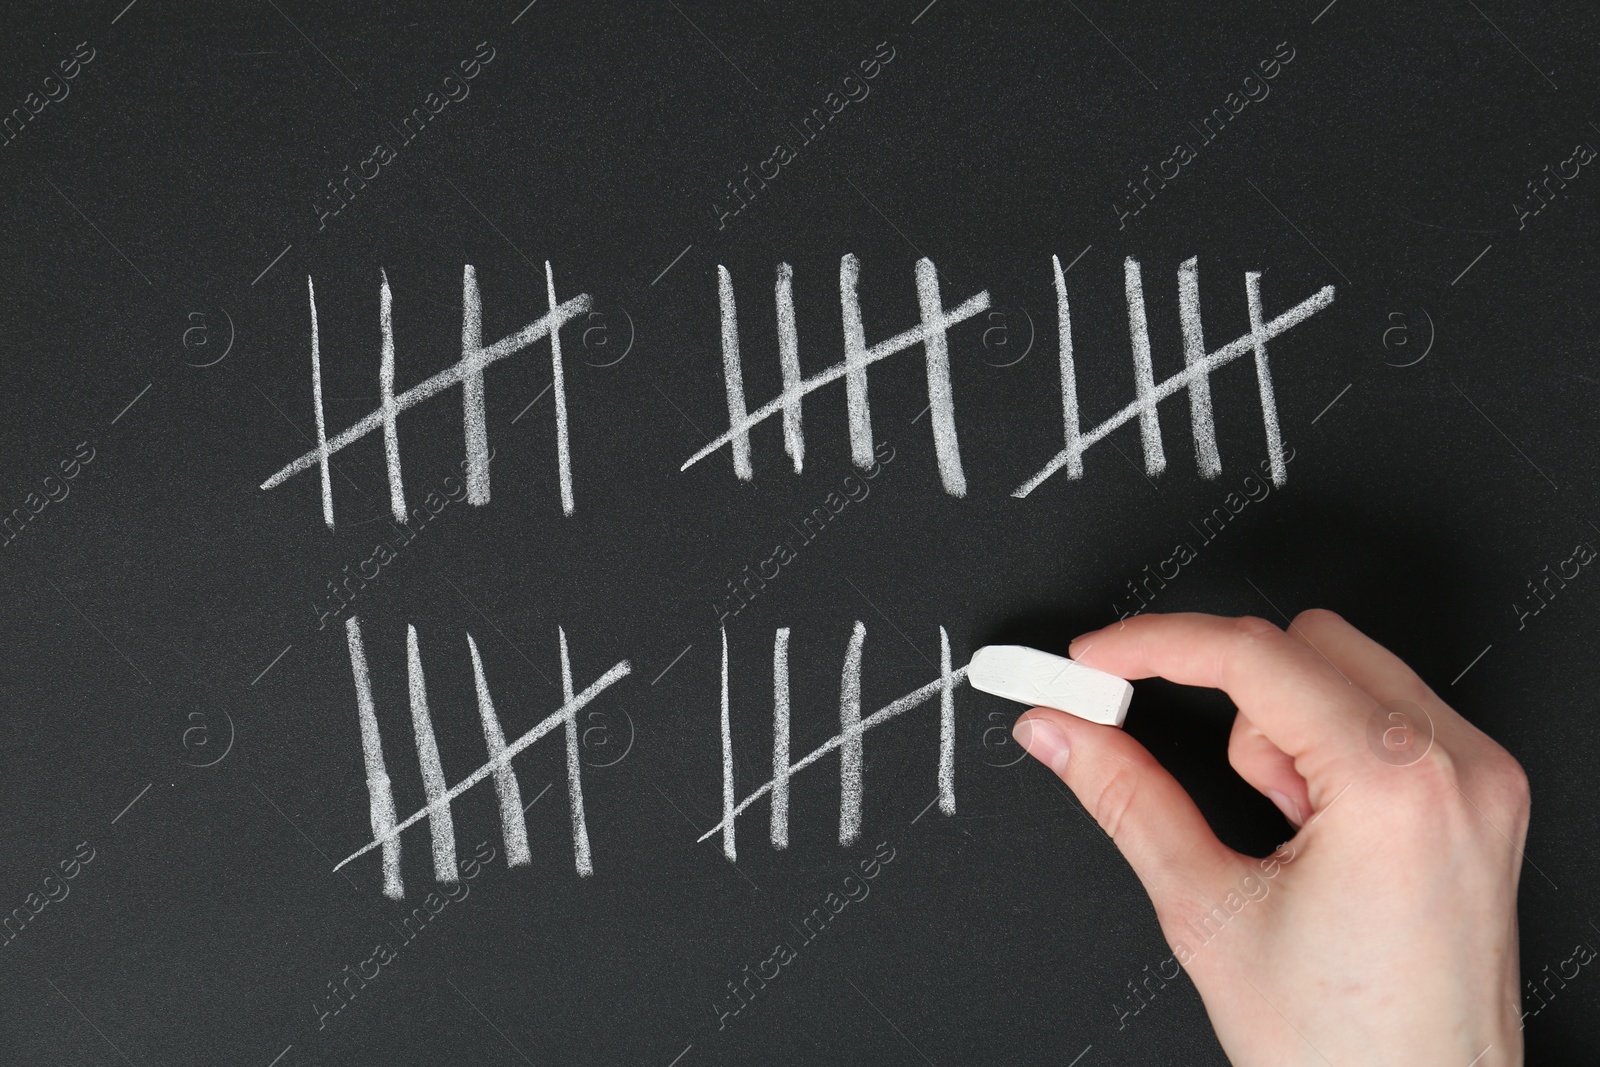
1386 930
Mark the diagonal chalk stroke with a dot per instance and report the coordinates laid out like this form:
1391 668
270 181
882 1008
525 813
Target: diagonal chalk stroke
1252 343
513 828
621 669
467 373
379 791
930 333
913 699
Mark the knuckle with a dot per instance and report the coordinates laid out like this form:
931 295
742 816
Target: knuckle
1445 796
1182 911
1418 795
1235 754
1249 633
1254 626
1506 785
1115 798
1318 618
1238 753
1410 686
1435 776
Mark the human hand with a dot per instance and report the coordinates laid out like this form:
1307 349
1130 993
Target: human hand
1386 930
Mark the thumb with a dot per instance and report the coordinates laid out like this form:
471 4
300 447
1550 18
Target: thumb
1143 809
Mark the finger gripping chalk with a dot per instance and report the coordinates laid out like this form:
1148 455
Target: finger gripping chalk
1029 676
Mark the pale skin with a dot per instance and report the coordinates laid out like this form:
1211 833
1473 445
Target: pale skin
1390 936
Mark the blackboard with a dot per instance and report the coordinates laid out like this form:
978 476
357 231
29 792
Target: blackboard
184 768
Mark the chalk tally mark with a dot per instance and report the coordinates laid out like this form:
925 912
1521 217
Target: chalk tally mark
932 334
386 830
1195 377
853 727
468 373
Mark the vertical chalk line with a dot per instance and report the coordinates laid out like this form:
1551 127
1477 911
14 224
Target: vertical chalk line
580 825
1194 351
794 439
1269 404
379 792
391 438
316 400
947 728
728 812
850 746
559 380
855 362
1069 375
936 350
474 420
513 826
440 824
780 740
733 373
1155 459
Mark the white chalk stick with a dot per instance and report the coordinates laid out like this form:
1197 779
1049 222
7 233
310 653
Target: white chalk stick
1029 676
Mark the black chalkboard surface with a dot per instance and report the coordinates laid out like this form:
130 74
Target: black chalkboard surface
494 411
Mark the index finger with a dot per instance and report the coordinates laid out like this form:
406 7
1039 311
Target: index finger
1298 699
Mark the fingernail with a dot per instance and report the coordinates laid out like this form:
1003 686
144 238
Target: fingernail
1074 649
1044 741
1290 809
